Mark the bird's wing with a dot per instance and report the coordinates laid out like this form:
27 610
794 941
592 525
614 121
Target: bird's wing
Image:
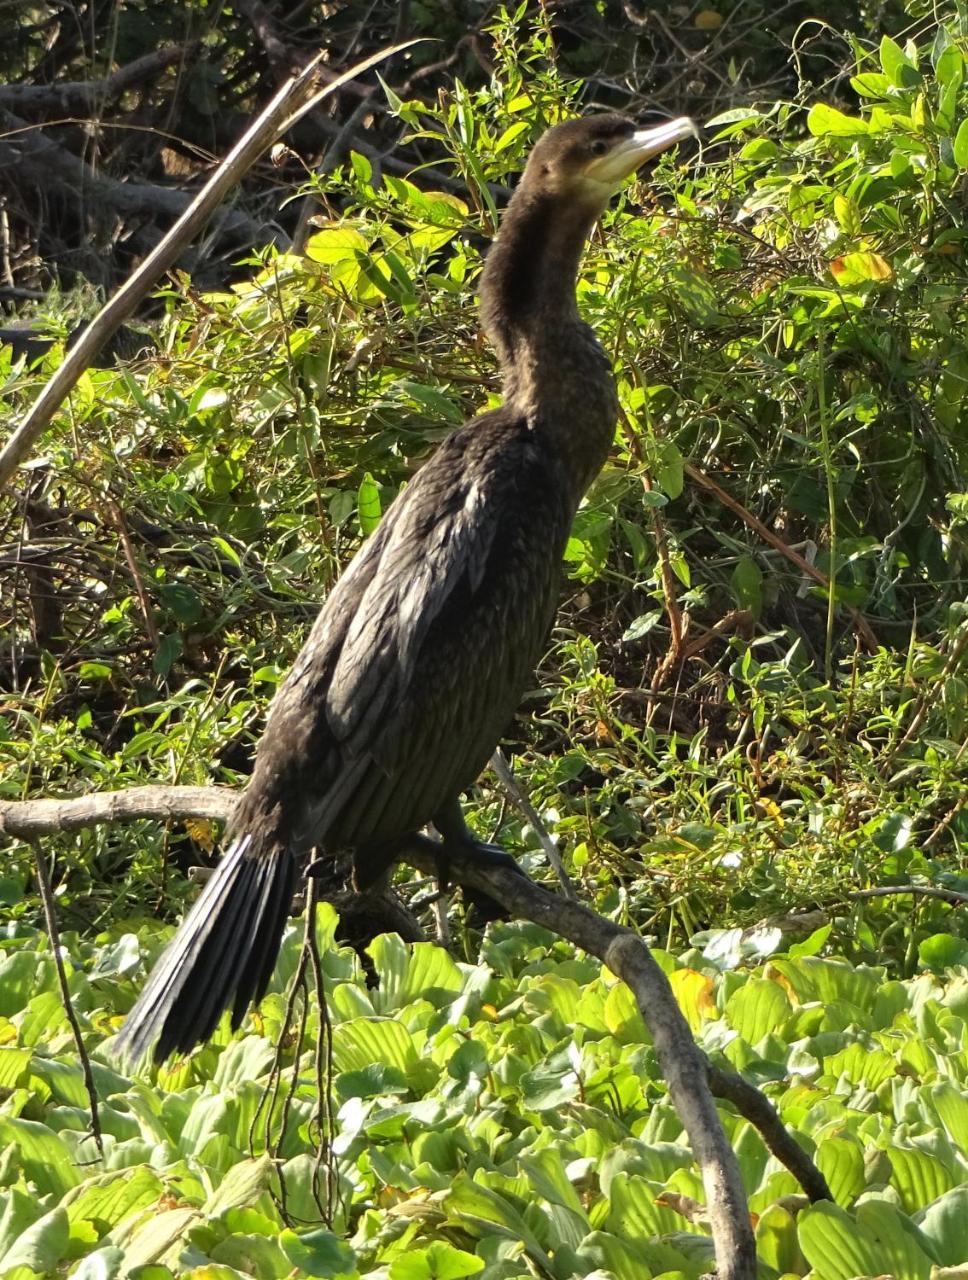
442 534
441 547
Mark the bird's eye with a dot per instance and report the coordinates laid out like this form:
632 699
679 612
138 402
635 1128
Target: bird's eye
599 147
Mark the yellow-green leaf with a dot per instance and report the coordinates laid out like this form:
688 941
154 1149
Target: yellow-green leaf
857 268
961 145
848 215
823 120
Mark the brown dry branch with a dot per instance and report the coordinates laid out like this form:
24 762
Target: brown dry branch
78 97
687 1071
39 161
706 482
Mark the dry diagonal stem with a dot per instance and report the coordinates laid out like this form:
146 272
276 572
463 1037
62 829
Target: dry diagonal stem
53 936
294 99
768 536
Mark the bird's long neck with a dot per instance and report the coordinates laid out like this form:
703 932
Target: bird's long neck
554 370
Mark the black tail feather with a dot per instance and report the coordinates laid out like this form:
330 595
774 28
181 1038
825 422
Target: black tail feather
258 967
223 953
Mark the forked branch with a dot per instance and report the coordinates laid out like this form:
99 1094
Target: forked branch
691 1079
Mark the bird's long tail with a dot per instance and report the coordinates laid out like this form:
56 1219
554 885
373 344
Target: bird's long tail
222 955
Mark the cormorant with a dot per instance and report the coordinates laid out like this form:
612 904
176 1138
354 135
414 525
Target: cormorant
418 658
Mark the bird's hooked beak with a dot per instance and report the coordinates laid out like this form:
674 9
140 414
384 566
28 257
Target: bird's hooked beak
627 155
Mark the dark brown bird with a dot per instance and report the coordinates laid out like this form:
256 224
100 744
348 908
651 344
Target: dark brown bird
420 655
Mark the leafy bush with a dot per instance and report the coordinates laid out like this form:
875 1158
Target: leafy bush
788 321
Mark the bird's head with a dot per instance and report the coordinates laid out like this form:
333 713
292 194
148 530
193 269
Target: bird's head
588 160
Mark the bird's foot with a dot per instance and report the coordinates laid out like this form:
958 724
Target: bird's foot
452 848
482 906
489 855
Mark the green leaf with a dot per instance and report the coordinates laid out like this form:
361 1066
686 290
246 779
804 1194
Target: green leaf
949 70
111 1197
362 1041
669 470
249 1255
103 1264
167 654
920 1178
318 1253
951 1107
841 1161
871 84
14 1067
484 1212
181 601
945 1225
960 145
942 951
440 1261
42 1245
95 671
368 504
335 243
848 215
241 1186
757 1008
897 66
872 1243
21 974
152 1238
747 584
823 121
421 971
642 625
44 1155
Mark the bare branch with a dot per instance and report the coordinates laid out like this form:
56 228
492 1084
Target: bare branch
519 797
31 819
691 1079
83 97
757 1109
683 1065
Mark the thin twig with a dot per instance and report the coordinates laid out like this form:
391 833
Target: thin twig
706 482
53 936
519 797
323 1064
953 896
132 563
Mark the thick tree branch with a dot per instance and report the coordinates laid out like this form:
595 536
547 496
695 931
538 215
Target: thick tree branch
84 97
691 1079
31 819
683 1065
40 162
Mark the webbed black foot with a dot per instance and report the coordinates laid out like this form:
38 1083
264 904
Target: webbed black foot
457 840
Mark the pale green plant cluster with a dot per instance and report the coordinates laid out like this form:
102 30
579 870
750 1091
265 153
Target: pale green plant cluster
503 1118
